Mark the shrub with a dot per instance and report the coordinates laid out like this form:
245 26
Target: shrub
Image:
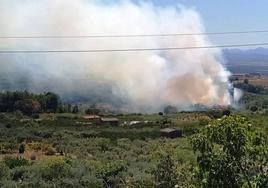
17 173
3 170
18 114
203 122
35 116
50 151
111 174
8 125
13 162
21 148
28 106
165 175
2 116
8 147
54 168
254 108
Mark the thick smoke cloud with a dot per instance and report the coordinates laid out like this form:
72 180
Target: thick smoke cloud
144 81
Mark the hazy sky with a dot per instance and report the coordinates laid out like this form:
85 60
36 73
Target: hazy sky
228 15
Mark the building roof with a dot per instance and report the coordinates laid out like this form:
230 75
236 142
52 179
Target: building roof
91 117
109 119
168 130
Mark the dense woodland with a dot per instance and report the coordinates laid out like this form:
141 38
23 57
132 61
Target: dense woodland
29 103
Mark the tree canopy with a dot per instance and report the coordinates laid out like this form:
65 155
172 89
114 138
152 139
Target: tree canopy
29 103
231 154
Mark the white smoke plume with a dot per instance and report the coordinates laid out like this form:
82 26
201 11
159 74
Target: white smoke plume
146 80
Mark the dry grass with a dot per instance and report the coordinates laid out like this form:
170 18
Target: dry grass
30 153
263 80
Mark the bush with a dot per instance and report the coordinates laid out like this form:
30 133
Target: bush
165 176
18 114
35 116
2 116
13 162
254 108
28 106
203 122
8 125
50 151
21 148
17 173
3 170
54 168
8 147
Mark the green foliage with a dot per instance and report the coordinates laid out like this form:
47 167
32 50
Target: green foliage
50 151
13 162
21 148
18 114
254 102
246 86
28 106
28 103
215 114
54 168
110 174
230 154
3 170
165 122
8 147
102 156
165 176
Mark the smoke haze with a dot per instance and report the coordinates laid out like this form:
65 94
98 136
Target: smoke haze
144 81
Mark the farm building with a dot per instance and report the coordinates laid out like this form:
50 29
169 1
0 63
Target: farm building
171 133
92 118
109 121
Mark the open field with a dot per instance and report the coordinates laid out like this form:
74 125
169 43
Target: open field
255 80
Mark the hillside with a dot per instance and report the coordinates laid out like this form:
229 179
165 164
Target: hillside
247 61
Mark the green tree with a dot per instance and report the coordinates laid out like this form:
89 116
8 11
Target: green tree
75 109
13 162
28 106
49 101
170 109
231 154
165 121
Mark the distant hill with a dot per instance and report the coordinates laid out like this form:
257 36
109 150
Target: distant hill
247 60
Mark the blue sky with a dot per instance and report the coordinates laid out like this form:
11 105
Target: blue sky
228 15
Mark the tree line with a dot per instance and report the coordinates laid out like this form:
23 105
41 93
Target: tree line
29 103
246 86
